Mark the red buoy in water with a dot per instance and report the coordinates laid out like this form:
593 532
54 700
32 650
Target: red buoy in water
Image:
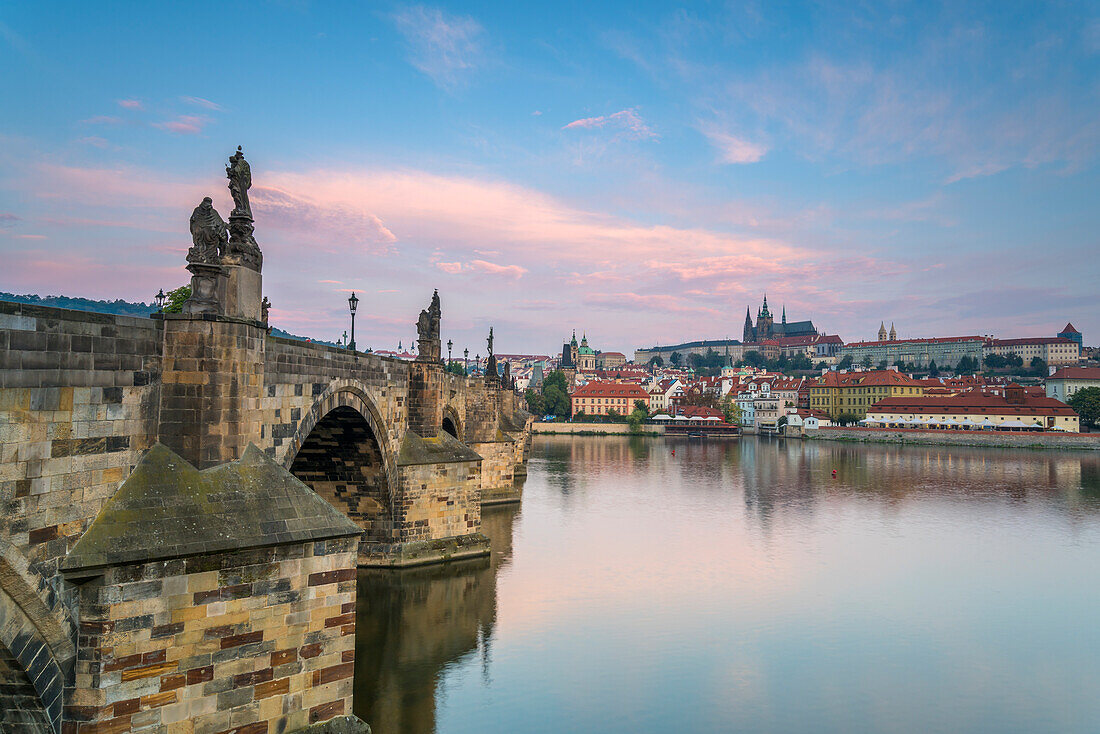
834 473
674 452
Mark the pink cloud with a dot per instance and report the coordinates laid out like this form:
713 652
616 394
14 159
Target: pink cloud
183 125
732 148
511 271
131 104
450 267
628 121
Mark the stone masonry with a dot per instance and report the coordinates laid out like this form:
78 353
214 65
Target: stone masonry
254 634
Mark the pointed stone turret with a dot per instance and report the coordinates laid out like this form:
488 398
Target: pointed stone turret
882 331
893 332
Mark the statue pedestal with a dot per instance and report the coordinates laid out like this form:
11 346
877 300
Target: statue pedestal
242 291
207 287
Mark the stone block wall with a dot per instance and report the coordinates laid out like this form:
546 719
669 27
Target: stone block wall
425 404
497 470
213 374
78 405
252 641
438 500
482 411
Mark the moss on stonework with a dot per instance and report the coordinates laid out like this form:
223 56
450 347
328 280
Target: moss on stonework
440 449
337 725
169 509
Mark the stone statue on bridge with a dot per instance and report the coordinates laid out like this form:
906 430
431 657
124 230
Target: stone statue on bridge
427 328
240 181
491 361
242 249
208 234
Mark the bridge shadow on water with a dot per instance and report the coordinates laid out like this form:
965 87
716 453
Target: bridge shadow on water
411 624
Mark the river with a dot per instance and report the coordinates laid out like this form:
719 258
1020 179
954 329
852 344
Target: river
737 586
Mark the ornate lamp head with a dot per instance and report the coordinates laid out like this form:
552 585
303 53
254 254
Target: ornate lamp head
353 302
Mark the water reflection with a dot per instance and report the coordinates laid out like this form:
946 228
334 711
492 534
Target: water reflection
678 585
411 624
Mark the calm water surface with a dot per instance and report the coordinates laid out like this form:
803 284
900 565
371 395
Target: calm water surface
737 586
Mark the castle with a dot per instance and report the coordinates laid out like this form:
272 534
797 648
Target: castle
766 328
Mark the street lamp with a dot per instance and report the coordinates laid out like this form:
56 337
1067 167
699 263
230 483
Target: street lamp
477 362
466 360
160 298
352 303
448 352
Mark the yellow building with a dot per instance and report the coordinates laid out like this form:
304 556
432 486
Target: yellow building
852 393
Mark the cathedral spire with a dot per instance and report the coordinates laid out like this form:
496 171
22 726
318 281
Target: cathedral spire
784 313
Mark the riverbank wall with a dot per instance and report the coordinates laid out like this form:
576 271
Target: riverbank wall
593 429
991 439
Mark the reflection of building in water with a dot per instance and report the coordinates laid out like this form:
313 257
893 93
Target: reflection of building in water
794 477
411 624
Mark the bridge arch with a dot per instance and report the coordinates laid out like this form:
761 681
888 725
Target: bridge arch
342 450
452 423
37 654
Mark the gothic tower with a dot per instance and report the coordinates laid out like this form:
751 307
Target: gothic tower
882 331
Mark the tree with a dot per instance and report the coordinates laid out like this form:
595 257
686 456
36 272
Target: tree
555 394
867 361
882 364
753 358
174 302
730 409
641 406
655 362
613 416
845 362
1039 366
1086 403
994 361
456 368
676 358
556 402
801 363
536 403
933 370
1014 360
967 365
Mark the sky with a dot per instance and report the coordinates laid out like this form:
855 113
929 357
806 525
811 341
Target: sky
640 172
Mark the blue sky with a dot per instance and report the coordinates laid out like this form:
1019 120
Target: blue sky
638 171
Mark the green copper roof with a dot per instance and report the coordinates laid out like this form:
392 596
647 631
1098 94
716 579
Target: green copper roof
168 509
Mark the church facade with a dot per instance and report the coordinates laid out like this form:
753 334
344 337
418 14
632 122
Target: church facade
766 328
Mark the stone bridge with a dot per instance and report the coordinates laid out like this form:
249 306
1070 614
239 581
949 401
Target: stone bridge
406 450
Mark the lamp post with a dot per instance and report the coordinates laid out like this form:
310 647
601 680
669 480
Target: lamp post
466 360
477 362
352 303
448 353
160 298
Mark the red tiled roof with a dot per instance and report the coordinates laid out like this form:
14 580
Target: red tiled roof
1070 330
973 402
1076 373
872 378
